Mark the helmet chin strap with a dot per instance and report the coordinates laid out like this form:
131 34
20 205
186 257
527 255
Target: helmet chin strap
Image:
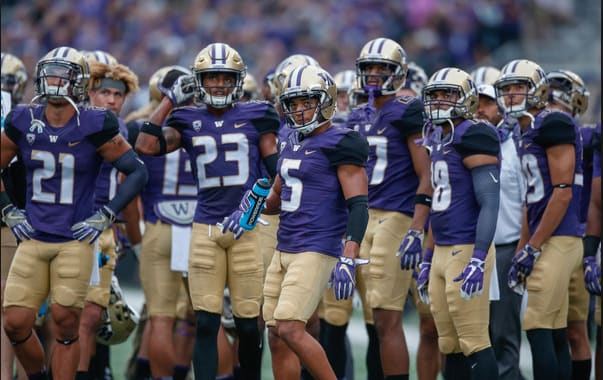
36 123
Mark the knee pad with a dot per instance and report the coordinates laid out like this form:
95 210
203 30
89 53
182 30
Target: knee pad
447 345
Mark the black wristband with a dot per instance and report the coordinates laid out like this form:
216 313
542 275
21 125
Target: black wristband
155 130
591 243
423 199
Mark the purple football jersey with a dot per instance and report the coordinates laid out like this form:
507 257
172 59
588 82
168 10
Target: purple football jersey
170 179
313 210
550 128
106 183
597 152
587 132
224 153
392 178
454 209
62 166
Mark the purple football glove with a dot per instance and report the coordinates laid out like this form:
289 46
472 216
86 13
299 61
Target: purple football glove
473 276
343 277
232 222
410 250
524 260
92 227
592 275
423 276
516 281
16 220
181 91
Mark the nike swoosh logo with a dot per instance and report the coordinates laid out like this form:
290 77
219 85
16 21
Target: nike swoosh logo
308 152
447 151
380 131
493 177
239 125
381 220
73 143
454 253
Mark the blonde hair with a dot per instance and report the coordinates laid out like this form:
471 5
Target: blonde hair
100 71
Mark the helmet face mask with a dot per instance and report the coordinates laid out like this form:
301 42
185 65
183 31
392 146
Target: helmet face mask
70 73
449 94
212 60
516 76
315 89
390 55
14 76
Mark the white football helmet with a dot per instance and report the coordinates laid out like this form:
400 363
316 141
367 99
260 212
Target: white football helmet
219 57
528 73
456 83
310 82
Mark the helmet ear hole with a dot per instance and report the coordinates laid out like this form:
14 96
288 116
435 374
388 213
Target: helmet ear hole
118 319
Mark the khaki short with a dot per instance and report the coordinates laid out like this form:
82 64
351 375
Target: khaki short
462 325
217 260
63 269
294 285
99 294
159 282
387 284
549 281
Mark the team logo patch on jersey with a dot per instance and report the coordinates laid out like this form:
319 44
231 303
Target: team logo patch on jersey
36 126
31 138
179 212
197 125
283 145
219 123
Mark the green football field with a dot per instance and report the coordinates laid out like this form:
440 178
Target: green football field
356 334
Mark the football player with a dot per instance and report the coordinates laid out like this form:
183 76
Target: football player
550 247
485 75
344 80
168 202
318 162
399 195
592 247
110 84
226 141
428 354
63 146
567 93
14 81
465 178
505 322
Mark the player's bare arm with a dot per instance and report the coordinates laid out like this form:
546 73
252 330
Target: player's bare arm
8 152
421 165
273 201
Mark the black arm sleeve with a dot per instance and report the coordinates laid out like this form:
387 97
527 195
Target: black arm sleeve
136 178
556 129
486 187
270 163
352 149
357 218
109 131
478 139
133 131
412 119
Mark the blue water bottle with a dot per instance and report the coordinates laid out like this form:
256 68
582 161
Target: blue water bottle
257 198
